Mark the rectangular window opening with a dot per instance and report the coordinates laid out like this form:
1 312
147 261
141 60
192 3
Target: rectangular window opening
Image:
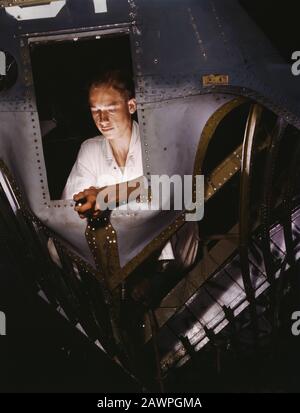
62 70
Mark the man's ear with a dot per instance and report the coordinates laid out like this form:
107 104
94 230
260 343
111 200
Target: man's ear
132 106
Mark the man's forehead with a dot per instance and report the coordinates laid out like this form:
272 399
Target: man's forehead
105 93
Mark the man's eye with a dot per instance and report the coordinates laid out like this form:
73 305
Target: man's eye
111 111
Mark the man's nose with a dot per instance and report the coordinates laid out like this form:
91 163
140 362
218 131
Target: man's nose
103 116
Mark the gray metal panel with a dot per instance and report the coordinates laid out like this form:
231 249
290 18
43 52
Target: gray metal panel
183 40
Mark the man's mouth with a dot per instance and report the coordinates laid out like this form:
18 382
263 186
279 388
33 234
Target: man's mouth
105 129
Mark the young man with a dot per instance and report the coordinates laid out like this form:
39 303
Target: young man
116 157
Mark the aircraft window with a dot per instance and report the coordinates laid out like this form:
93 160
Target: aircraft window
8 71
61 72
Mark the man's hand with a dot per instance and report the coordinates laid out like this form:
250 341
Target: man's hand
88 207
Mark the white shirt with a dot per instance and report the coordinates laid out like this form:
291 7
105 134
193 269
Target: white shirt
97 166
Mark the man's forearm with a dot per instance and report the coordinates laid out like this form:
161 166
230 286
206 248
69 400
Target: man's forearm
119 194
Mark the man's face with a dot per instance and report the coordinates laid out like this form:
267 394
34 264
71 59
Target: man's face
111 111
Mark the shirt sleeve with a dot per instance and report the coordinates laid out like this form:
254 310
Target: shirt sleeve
82 175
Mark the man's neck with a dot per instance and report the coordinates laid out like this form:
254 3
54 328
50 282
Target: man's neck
120 147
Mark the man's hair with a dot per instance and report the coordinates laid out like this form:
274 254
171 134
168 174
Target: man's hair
117 80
